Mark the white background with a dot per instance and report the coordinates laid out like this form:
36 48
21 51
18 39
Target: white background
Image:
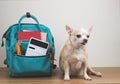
104 15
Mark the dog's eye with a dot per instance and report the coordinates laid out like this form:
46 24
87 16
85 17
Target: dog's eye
78 36
88 36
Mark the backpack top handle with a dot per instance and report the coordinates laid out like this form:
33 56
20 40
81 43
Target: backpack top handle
28 15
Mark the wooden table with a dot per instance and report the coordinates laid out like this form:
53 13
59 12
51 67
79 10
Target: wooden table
110 75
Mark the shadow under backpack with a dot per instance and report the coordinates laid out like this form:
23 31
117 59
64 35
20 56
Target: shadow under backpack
25 66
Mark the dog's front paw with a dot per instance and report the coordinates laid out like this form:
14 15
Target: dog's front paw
99 74
87 78
66 78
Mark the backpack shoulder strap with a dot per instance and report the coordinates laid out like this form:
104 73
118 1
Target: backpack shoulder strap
4 36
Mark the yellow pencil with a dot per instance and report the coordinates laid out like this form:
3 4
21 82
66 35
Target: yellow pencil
18 48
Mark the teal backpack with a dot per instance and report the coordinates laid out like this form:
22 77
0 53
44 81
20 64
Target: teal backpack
21 66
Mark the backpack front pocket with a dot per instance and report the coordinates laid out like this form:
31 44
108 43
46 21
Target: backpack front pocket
30 66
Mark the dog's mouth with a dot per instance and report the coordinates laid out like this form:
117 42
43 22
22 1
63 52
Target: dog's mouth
83 43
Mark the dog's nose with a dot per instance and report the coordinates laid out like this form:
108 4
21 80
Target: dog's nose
85 40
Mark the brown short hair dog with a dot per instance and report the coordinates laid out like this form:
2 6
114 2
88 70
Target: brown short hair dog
73 57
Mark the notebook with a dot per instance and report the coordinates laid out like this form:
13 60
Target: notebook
26 35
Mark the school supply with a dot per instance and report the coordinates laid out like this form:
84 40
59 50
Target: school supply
36 47
21 65
26 35
43 36
18 48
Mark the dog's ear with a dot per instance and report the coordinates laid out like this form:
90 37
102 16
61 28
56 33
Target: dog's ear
90 29
69 30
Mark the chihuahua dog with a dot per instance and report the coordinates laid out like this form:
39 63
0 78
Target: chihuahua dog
73 57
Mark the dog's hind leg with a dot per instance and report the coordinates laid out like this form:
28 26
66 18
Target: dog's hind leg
91 71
